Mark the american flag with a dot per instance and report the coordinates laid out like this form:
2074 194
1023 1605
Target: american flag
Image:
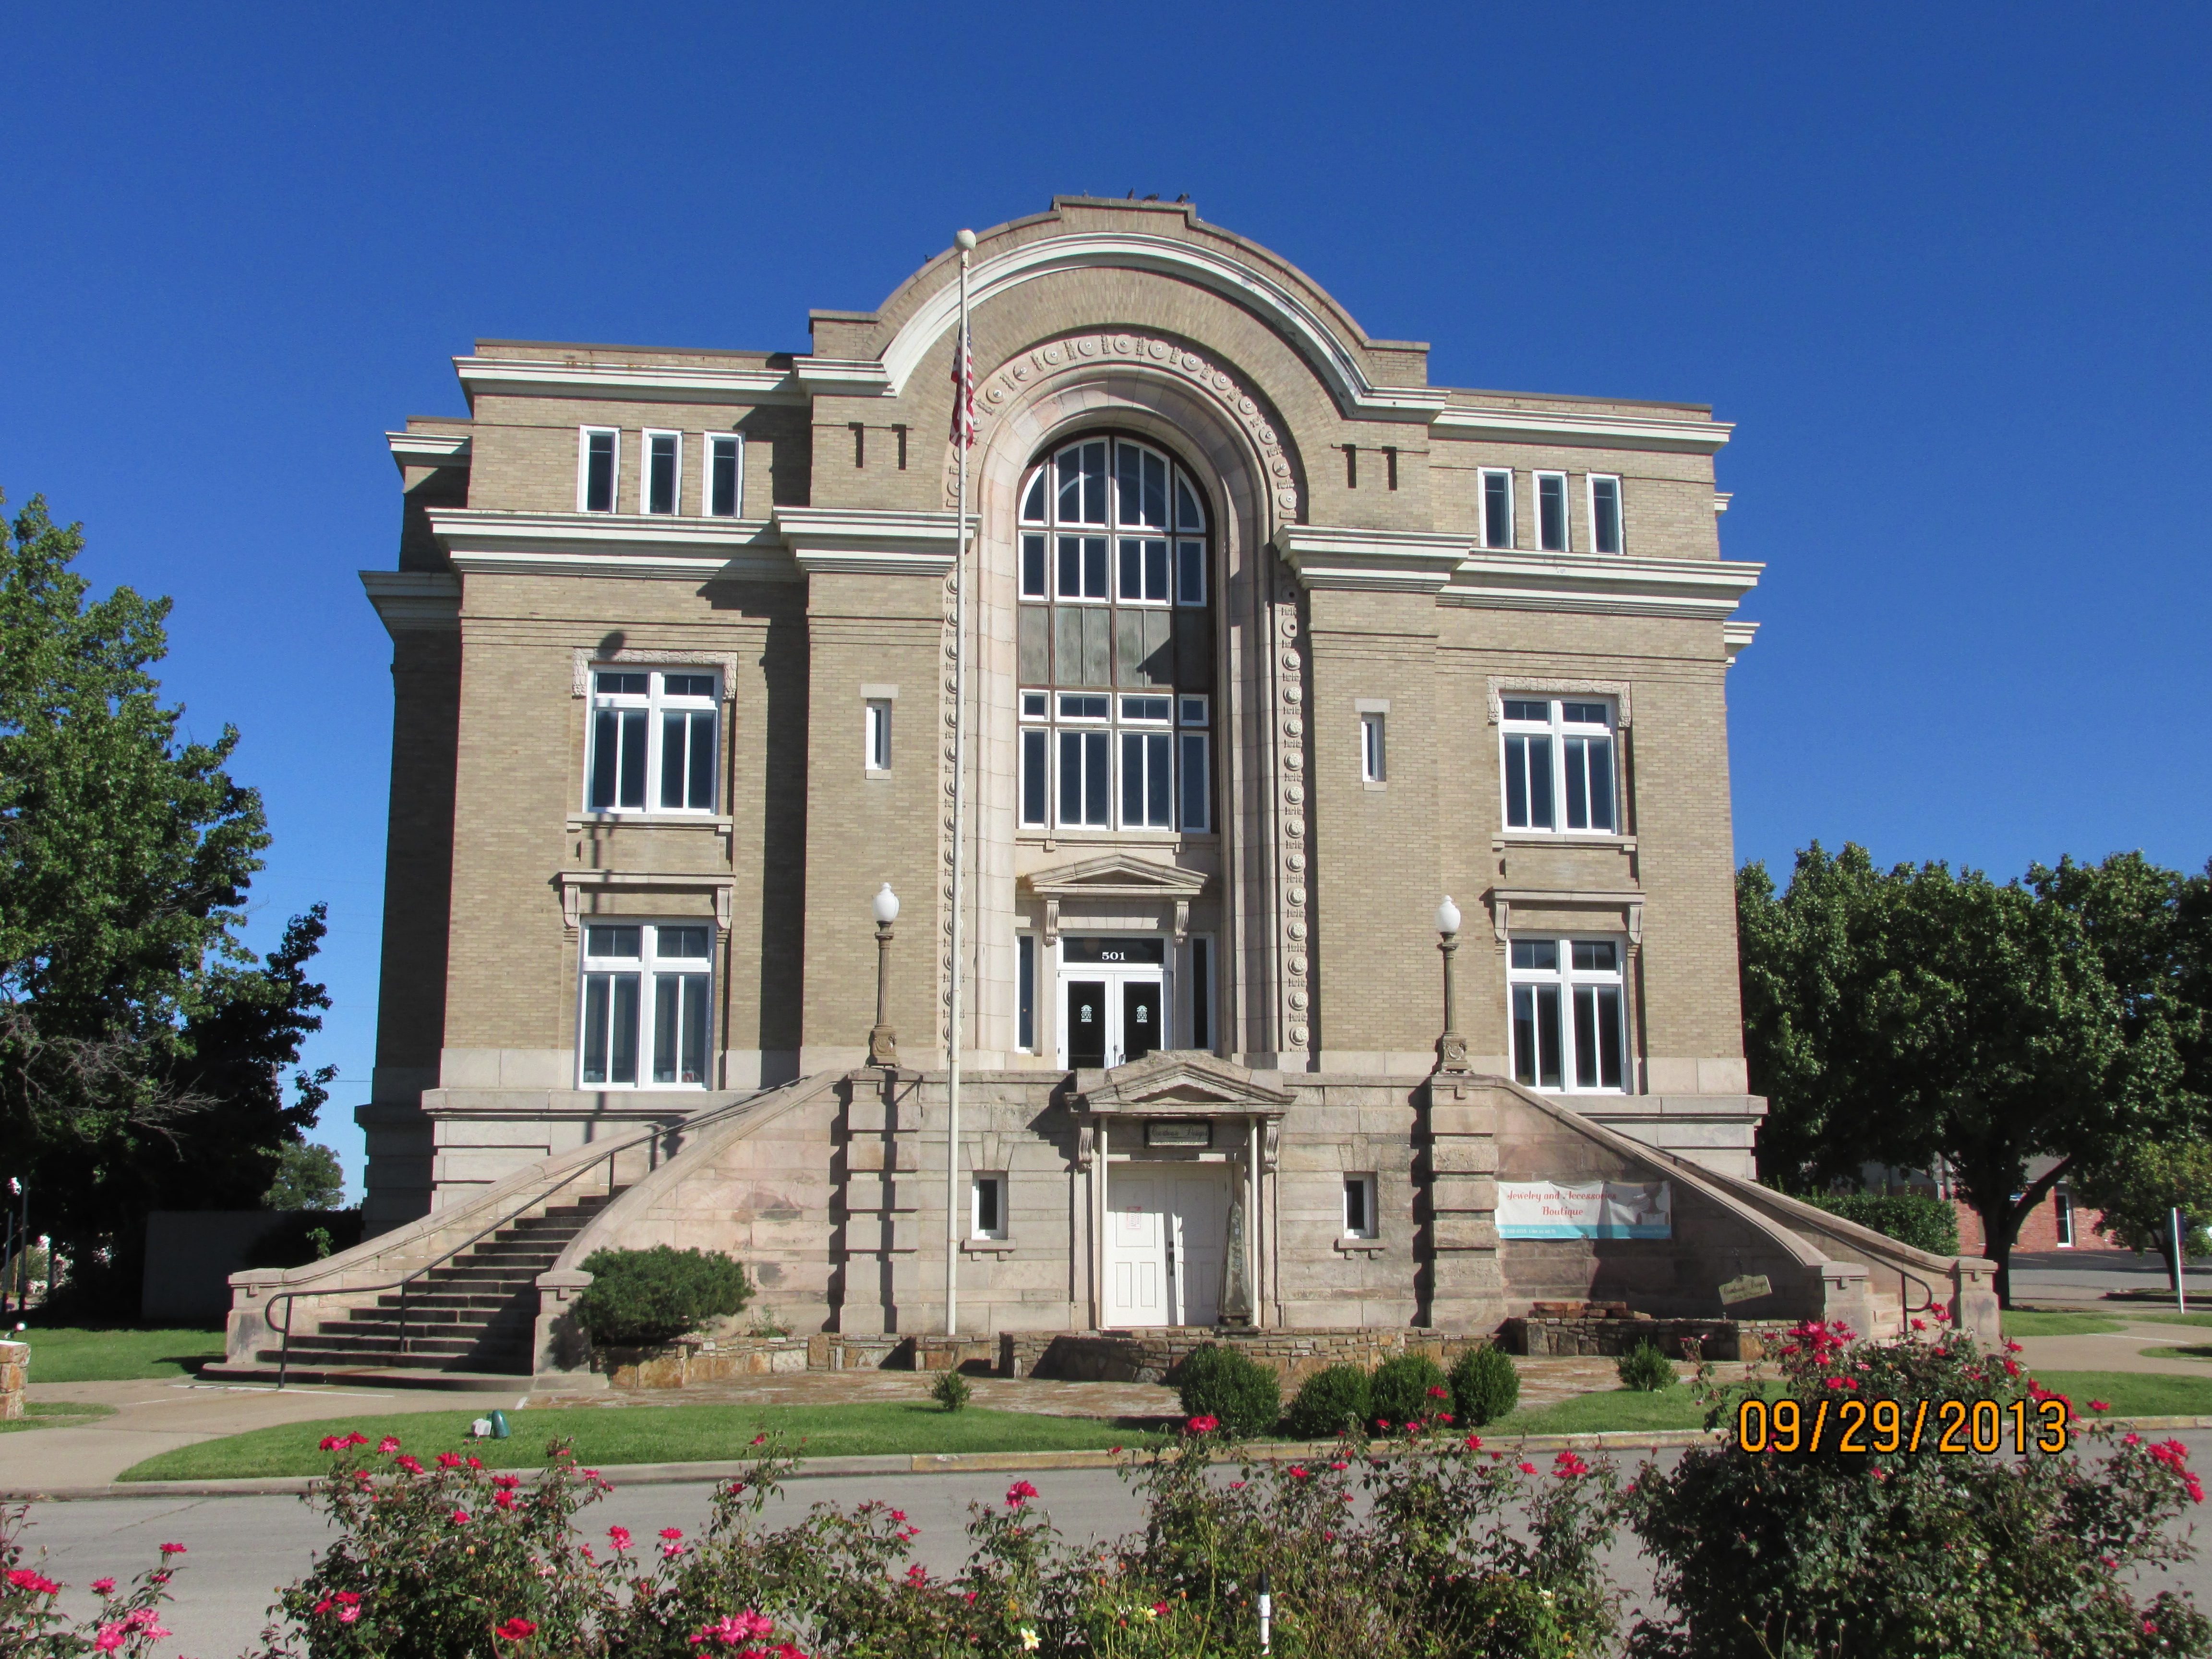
964 392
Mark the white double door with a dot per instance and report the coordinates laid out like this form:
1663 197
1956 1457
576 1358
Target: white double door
1111 1014
1167 1235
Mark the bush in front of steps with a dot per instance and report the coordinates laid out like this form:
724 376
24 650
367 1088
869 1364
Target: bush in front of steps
1484 1385
640 1296
1645 1369
1328 1402
1914 1218
1242 1394
1407 1387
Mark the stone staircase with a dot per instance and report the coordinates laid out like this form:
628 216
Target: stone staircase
473 1315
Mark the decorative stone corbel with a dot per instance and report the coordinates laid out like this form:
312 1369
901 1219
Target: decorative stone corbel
722 910
1501 916
1635 910
1181 919
1051 922
571 899
1086 1147
1271 1143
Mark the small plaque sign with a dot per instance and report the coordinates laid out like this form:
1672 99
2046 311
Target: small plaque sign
1749 1288
1179 1132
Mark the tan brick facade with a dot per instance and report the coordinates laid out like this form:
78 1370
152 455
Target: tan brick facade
1348 574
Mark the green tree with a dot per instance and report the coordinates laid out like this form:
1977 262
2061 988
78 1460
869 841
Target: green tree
308 1177
1920 1014
141 1044
2139 1186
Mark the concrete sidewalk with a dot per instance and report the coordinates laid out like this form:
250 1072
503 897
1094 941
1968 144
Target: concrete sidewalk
2120 1350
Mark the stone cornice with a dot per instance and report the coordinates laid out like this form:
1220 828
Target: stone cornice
864 542
693 383
429 449
1680 433
414 601
486 542
1736 634
1601 583
1376 561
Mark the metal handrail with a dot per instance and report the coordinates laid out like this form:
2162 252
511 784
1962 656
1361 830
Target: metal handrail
654 1134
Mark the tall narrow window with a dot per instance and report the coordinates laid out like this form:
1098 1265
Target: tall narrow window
598 450
1605 514
647 1015
878 734
725 475
1569 1028
1113 629
1025 992
1558 765
663 471
1370 749
988 1216
654 741
1202 994
1552 512
1497 509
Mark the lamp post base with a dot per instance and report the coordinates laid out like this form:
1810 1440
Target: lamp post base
1451 1053
882 1047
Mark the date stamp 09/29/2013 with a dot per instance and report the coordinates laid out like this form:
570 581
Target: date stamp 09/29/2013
1867 1427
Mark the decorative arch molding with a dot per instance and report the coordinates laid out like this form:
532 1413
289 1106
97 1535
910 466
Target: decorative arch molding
1017 382
1312 335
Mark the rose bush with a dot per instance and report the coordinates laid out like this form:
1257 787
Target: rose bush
1817 1554
33 1625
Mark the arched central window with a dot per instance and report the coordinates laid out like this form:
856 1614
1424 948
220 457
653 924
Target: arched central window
1114 644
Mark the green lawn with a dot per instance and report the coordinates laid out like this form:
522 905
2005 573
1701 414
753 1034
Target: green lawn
55 1415
2200 1320
2134 1394
2199 1351
1611 1408
118 1354
607 1436
2027 1321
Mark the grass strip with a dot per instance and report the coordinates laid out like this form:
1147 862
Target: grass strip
2027 1321
607 1437
2133 1393
118 1354
56 1415
2201 1351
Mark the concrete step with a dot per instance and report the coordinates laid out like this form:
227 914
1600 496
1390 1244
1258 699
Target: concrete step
264 1371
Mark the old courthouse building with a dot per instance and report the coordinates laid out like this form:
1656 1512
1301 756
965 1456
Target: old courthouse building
1274 645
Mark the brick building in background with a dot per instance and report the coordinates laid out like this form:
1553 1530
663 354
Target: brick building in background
1274 645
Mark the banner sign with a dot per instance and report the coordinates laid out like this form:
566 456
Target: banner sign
1593 1209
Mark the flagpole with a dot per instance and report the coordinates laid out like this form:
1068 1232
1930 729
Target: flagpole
963 419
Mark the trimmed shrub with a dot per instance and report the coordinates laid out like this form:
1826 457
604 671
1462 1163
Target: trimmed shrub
1484 1385
1645 1369
1220 1382
950 1390
1328 1402
1405 1387
640 1296
1926 1224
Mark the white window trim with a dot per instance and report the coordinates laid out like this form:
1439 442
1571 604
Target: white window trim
1566 977
876 736
1374 749
1486 475
1566 513
976 1182
584 436
648 967
707 442
645 473
1590 481
655 701
1557 729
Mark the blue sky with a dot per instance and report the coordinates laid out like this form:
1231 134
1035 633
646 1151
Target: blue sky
1946 268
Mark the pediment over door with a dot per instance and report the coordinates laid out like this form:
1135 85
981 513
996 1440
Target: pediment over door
1118 876
1178 1083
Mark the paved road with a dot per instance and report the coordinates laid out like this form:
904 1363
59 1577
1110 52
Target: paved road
241 1548
2043 1278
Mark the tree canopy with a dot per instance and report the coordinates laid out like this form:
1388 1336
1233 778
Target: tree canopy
141 1043
1906 1016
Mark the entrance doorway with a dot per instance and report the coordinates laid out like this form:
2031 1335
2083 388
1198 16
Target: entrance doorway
1113 1000
1167 1236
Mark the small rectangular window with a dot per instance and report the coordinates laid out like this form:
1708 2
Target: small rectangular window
1025 991
1033 568
1082 566
1191 710
1194 782
1036 774
725 475
878 734
599 448
1359 1217
2061 1216
1147 780
1085 781
1083 706
1144 566
989 1218
1202 994
1370 749
663 470
1605 514
1190 572
1497 509
1552 512
1146 708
